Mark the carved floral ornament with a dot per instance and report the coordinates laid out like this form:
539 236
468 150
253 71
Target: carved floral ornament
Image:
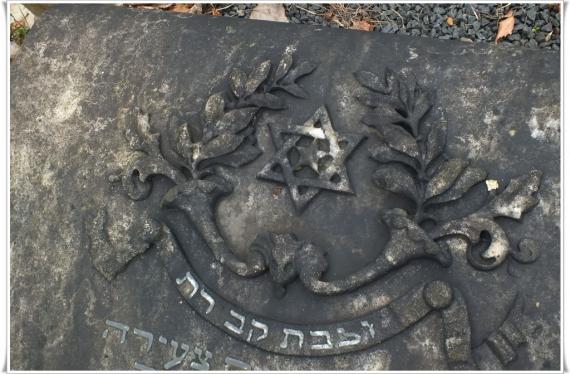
410 149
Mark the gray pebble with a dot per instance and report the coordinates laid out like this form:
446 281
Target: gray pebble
547 27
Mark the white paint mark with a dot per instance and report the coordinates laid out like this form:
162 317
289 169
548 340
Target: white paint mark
492 184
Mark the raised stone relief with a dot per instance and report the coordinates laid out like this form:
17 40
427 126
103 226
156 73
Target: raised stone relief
311 158
415 165
411 149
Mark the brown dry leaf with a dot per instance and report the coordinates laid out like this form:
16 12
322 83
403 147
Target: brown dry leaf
269 12
328 15
450 21
186 8
144 6
362 25
216 12
506 26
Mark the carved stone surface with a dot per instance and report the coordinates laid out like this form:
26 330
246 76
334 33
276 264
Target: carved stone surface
248 195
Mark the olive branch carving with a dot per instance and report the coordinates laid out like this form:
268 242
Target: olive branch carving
413 133
224 134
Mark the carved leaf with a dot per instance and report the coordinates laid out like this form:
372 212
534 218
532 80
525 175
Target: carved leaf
265 100
469 178
372 81
243 155
396 179
392 82
409 240
148 166
220 145
257 77
382 153
136 127
299 71
295 90
235 120
404 94
444 177
471 227
183 144
383 114
400 140
284 64
421 105
237 82
517 198
370 99
214 109
114 243
133 186
437 137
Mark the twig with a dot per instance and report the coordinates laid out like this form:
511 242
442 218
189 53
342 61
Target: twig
474 12
224 8
402 18
306 10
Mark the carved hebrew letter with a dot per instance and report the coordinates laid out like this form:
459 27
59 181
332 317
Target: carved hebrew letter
203 357
119 326
191 288
233 328
370 327
235 364
176 360
261 326
209 299
147 335
326 335
288 332
162 339
347 338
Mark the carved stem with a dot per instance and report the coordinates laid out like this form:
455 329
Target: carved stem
407 242
197 200
365 275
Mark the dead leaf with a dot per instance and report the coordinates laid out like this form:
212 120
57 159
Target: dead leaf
216 12
450 21
362 25
269 12
506 26
144 6
186 8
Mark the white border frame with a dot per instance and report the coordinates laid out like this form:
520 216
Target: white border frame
5 165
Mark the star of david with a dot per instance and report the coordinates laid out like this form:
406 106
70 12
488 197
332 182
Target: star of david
325 155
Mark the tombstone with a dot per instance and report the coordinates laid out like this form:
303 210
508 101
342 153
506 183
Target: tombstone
197 193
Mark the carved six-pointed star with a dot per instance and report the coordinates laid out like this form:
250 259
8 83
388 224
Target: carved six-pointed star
327 159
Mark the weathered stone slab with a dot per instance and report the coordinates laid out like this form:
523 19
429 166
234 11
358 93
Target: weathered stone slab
206 193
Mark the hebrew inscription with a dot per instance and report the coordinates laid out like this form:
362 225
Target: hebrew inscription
198 358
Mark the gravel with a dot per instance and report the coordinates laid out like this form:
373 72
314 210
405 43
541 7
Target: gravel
536 25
